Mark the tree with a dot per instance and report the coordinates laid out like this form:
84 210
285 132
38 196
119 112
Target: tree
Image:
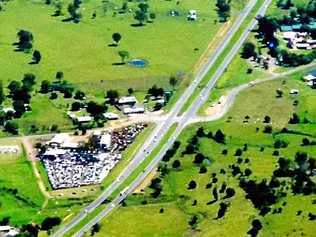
19 107
141 15
95 228
267 119
58 8
75 106
123 55
2 96
59 75
74 11
79 95
219 137
223 9
173 81
248 50
152 16
49 222
45 87
25 38
112 95
295 119
176 164
37 56
130 91
279 93
116 38
95 109
11 127
192 184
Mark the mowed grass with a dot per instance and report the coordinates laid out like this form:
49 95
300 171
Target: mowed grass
256 102
16 173
81 50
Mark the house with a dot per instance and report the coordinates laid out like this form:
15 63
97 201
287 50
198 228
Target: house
302 46
127 100
192 15
110 116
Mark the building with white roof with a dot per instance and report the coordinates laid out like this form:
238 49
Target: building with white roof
127 100
110 116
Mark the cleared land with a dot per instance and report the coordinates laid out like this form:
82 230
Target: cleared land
178 202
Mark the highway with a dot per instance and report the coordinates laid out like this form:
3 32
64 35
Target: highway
162 128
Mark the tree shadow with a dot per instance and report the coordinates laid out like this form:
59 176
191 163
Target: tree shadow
137 25
33 62
211 202
112 45
67 19
118 64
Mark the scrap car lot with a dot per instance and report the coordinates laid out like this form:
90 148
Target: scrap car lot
71 163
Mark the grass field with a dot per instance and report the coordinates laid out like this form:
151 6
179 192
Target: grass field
177 201
171 45
16 173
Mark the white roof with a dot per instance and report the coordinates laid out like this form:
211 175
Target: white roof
309 77
192 12
83 119
106 140
127 99
55 152
60 138
133 110
110 115
8 109
5 228
302 45
289 35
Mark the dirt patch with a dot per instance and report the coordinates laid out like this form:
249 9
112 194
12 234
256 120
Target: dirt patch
216 107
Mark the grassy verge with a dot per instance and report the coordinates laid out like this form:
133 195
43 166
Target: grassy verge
222 56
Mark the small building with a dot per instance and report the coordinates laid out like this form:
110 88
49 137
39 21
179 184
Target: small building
127 100
310 78
110 116
84 119
134 110
192 15
59 139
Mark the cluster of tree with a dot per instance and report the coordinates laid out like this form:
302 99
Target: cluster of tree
261 194
223 9
25 40
256 227
300 171
156 91
156 185
74 11
142 14
285 4
171 152
59 85
289 59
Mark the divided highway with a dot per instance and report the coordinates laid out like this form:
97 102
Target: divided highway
162 128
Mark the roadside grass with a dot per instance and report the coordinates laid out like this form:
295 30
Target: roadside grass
256 102
218 62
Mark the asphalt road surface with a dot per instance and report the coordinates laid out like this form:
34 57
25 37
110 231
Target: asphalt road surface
162 128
